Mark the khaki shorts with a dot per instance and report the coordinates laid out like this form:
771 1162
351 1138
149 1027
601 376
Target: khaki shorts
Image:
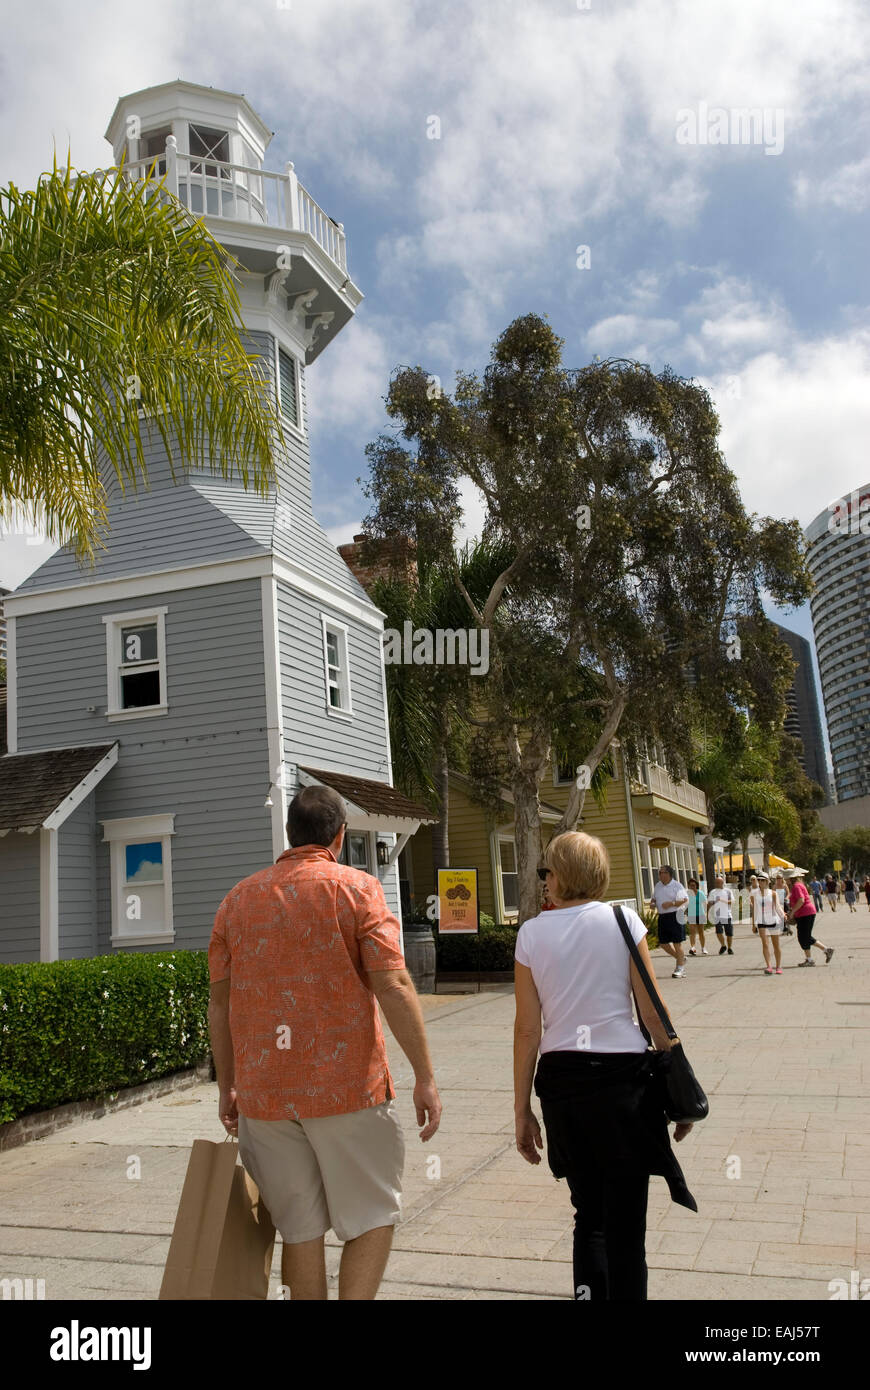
339 1172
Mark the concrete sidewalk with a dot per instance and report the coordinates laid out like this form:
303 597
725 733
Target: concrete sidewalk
785 1060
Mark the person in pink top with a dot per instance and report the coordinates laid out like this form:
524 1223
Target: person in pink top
802 911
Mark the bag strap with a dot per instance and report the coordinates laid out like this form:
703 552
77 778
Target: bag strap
645 976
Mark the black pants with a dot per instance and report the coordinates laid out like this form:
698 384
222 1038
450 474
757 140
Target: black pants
609 1237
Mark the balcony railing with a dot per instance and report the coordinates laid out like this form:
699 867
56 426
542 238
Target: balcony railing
211 188
655 779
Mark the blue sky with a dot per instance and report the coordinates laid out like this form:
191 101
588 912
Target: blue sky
743 268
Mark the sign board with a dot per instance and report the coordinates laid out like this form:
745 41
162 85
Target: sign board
838 864
458 906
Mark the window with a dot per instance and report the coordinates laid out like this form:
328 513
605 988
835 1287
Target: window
510 889
355 851
336 667
563 774
136 656
288 395
153 147
206 144
141 878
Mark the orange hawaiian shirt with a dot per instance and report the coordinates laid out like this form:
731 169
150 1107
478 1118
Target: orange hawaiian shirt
295 941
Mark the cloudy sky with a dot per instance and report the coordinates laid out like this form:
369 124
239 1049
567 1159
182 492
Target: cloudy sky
560 125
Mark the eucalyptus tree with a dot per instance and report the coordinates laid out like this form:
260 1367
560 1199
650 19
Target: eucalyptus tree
115 301
632 559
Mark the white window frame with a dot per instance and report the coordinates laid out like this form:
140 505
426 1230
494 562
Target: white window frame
138 830
284 346
114 622
333 627
559 782
508 913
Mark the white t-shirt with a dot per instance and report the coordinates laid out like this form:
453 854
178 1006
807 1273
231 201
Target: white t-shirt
580 965
720 900
766 914
672 891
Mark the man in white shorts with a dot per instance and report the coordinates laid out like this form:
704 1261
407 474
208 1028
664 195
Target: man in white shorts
720 903
299 955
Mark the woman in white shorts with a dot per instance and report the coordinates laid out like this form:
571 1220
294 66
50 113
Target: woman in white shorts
767 920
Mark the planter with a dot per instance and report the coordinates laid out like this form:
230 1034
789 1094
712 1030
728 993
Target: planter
420 955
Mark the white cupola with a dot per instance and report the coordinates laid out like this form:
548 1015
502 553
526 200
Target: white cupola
209 146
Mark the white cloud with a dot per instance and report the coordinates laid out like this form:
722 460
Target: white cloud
847 187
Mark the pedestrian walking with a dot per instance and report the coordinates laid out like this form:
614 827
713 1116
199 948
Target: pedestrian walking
720 902
669 896
696 911
803 914
300 956
831 892
817 890
767 921
606 1131
866 890
780 887
851 893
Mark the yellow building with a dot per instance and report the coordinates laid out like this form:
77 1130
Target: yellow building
643 807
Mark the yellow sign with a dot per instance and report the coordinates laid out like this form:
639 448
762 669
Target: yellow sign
838 864
457 900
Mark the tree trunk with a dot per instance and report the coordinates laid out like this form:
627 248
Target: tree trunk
765 855
577 795
744 845
527 837
440 831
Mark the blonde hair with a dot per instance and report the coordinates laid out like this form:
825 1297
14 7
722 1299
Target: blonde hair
580 865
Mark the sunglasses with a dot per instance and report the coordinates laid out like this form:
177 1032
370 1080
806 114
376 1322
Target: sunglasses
542 873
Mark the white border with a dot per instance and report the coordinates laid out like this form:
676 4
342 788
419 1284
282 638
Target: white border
114 622
337 629
129 830
49 905
274 712
11 684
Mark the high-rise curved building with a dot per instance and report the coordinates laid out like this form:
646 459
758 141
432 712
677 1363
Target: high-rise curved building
838 542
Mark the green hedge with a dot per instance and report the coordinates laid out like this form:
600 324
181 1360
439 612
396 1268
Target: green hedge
497 946
460 952
77 1029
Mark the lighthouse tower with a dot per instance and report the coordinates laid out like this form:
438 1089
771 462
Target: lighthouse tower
219 654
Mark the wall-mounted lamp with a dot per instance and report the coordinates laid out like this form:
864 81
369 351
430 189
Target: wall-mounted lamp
383 853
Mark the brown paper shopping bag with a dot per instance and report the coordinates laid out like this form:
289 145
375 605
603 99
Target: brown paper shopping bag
222 1242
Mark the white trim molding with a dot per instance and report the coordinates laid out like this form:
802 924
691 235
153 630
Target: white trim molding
274 712
131 830
297 577
49 904
83 790
11 684
102 591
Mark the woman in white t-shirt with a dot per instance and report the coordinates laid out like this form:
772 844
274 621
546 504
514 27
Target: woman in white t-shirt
606 1130
768 917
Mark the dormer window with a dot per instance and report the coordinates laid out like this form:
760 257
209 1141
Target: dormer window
207 144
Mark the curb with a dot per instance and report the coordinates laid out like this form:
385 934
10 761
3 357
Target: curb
44 1122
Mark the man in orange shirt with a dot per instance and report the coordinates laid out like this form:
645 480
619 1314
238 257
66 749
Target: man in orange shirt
298 956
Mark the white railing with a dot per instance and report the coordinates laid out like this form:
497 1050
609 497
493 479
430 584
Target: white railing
211 188
660 783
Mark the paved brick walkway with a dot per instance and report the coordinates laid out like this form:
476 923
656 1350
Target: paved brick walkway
784 1058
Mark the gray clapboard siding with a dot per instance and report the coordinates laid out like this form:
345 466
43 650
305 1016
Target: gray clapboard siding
76 883
19 897
311 735
160 529
206 760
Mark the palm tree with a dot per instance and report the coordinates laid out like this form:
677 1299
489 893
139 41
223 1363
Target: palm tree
112 298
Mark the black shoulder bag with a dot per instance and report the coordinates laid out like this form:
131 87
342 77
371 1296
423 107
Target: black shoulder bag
683 1099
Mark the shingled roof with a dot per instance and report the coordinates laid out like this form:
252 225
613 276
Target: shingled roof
34 785
375 798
